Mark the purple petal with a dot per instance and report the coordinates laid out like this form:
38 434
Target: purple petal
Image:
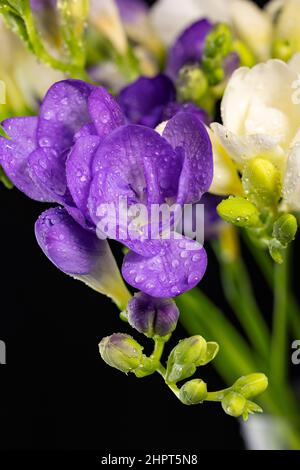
71 248
188 48
105 112
173 108
152 316
132 10
63 112
79 253
178 268
47 170
79 170
188 136
87 129
143 101
14 155
136 163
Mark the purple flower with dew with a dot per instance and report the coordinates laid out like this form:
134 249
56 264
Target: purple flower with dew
188 48
80 153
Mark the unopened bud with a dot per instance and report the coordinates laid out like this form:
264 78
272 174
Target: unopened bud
189 354
234 404
121 352
262 183
239 212
285 229
192 84
193 392
251 385
152 316
282 49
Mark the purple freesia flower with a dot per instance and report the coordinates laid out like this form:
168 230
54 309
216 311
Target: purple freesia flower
80 154
149 101
132 11
188 48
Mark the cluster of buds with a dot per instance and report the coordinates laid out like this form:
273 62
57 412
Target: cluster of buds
204 83
157 319
258 211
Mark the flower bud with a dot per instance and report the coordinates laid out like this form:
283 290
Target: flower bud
121 352
185 357
239 211
234 404
193 392
251 385
192 84
285 229
277 250
282 49
152 316
262 183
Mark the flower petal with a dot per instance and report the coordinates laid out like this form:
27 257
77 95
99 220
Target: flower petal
171 17
175 107
79 169
178 268
291 183
259 101
188 48
14 155
78 253
188 136
135 163
143 101
105 112
254 26
63 112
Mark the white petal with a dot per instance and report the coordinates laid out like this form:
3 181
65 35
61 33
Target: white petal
273 7
171 17
291 185
260 101
226 179
104 15
243 148
294 63
254 26
288 23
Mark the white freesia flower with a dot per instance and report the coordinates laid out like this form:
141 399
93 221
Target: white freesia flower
261 118
171 17
26 79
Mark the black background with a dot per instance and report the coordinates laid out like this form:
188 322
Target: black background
55 391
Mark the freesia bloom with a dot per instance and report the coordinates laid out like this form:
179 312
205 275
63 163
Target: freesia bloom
265 124
80 154
149 101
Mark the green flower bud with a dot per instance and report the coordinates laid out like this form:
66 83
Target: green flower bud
251 385
193 392
185 357
282 49
239 211
277 250
121 352
285 229
234 404
246 56
262 182
192 84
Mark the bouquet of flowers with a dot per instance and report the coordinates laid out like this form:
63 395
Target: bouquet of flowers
168 129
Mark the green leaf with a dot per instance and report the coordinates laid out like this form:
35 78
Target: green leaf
5 180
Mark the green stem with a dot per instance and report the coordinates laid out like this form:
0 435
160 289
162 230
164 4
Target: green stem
41 52
278 356
267 267
240 296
